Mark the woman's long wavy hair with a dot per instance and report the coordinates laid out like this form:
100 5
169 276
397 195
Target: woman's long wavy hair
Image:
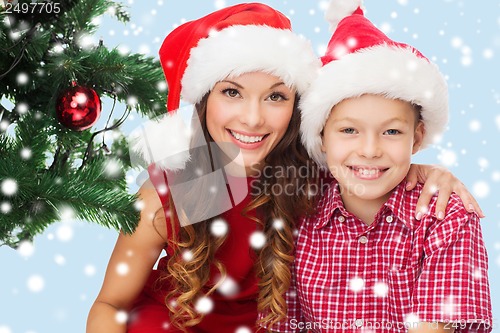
190 279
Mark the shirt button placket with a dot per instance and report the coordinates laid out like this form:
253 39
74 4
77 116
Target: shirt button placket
363 240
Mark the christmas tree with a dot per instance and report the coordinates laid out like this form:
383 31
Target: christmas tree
51 160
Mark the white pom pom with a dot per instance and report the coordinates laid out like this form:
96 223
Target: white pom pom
165 143
339 9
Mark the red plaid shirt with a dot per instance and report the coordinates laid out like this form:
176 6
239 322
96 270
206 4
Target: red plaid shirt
391 274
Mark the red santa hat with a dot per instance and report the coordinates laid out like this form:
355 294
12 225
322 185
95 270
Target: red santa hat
361 59
226 43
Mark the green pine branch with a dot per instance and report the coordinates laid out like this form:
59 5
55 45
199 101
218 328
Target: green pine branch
49 163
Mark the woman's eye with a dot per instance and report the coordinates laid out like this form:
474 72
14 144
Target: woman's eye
276 97
231 92
349 131
392 132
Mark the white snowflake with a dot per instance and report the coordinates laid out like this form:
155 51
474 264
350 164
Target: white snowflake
9 187
497 121
447 157
59 259
356 284
5 207
5 329
26 249
219 228
112 168
481 189
496 176
121 317
187 255
89 270
219 4
64 233
483 163
475 125
380 289
243 329
36 283
22 79
26 153
229 287
488 53
257 239
122 269
278 224
204 305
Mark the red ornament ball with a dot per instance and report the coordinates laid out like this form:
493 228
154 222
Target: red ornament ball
78 108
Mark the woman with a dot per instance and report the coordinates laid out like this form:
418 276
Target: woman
243 69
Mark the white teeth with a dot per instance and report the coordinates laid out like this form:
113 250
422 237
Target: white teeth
368 172
246 139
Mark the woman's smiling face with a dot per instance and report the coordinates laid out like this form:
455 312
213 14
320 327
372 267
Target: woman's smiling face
252 112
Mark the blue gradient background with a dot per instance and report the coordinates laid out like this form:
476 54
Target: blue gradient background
462 37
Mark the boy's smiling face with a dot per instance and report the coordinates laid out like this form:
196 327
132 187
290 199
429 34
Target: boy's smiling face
368 143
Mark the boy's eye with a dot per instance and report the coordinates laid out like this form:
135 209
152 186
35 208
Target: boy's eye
231 92
392 132
276 97
349 131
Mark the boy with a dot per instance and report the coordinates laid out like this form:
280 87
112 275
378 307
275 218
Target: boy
363 263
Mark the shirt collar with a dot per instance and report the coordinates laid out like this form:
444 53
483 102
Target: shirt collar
327 205
402 204
397 204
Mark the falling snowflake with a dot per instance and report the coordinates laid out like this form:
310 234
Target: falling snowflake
187 255
26 249
112 168
448 307
278 224
229 287
64 233
447 157
356 284
219 4
496 176
121 317
22 79
483 163
89 270
35 283
380 289
5 329
481 189
204 305
26 153
475 125
9 187
243 329
497 121
59 259
257 240
5 207
219 227
122 269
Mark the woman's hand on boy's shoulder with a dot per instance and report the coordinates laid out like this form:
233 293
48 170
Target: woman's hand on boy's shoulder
438 179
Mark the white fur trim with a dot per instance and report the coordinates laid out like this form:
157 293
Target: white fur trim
390 71
241 49
339 9
165 142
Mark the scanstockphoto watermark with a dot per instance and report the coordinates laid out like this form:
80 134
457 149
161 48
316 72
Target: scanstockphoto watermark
336 325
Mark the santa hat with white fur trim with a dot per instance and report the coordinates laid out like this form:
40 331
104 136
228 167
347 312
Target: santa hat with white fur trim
361 59
226 43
